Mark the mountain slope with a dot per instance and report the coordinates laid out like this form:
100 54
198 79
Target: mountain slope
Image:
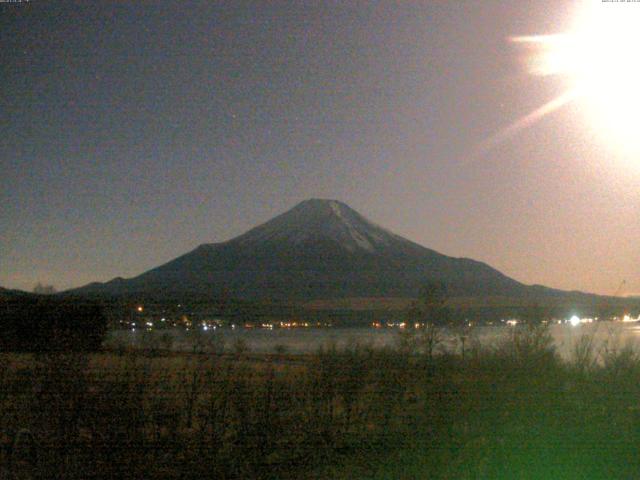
6 294
319 249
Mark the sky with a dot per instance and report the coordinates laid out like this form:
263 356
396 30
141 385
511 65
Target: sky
132 132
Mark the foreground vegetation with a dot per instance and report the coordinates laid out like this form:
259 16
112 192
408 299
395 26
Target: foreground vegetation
512 411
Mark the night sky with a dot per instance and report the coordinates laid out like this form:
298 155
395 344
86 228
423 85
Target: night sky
130 133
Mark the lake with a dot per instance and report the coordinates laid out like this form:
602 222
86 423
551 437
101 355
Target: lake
307 340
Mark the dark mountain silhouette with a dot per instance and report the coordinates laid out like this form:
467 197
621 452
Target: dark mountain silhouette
320 249
6 294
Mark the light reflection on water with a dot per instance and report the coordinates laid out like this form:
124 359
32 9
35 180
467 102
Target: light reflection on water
613 335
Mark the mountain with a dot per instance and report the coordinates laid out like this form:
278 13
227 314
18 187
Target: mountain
320 249
6 294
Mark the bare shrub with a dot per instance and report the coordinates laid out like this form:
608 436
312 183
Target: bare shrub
584 355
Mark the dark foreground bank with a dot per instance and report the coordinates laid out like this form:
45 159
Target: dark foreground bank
512 411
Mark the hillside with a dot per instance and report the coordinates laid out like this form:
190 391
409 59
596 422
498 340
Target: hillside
323 250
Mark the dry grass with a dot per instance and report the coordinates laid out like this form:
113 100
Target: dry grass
355 412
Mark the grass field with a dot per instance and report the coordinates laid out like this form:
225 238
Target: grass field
512 411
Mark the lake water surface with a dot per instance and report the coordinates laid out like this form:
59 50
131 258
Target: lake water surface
307 340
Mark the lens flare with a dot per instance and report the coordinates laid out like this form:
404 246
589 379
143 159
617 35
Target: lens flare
599 59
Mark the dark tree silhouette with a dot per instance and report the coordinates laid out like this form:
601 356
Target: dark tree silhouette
44 289
430 313
46 324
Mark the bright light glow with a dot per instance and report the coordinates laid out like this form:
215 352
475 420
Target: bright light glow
600 60
574 321
525 122
140 309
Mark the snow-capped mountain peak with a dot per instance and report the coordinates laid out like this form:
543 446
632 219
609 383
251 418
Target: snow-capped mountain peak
318 249
321 220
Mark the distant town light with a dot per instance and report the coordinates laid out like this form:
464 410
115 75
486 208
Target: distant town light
140 309
574 321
